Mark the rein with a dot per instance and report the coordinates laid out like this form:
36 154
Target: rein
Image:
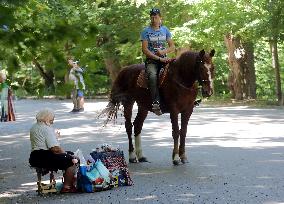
183 86
197 70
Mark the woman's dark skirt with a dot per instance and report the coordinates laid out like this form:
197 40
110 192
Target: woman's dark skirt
48 160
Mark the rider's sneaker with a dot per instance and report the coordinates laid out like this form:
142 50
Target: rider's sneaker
156 109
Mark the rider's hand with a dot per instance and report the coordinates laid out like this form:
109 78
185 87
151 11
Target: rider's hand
160 52
164 60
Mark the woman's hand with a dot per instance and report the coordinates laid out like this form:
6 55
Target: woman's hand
57 150
57 133
74 161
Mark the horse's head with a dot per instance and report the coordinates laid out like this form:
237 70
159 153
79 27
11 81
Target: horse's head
206 72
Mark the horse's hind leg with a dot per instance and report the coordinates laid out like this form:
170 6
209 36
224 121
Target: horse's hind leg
128 127
138 124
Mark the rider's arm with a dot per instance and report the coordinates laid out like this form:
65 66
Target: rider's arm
147 52
170 49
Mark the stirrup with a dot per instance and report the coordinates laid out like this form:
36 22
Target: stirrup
197 102
156 108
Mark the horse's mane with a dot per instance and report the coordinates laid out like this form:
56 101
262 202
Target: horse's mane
185 63
184 56
180 50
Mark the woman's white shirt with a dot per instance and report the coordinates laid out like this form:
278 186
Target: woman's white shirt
42 137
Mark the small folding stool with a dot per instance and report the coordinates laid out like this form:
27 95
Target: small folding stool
43 188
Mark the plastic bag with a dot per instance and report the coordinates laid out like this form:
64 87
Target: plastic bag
81 157
104 172
95 177
93 174
83 183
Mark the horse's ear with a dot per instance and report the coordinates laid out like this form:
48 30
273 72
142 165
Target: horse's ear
212 53
201 53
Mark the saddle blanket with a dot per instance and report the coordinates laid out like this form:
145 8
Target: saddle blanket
142 78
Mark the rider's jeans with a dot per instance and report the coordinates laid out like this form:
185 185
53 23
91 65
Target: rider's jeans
152 73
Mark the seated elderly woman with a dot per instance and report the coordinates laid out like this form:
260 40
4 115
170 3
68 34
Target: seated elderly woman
46 151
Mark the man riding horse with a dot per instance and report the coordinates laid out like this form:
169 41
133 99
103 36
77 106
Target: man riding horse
154 39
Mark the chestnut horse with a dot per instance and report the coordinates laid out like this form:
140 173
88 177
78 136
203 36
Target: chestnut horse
178 93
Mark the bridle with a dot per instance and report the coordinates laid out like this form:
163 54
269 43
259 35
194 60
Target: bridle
198 72
199 61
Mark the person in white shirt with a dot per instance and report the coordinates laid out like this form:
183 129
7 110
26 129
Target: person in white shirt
46 151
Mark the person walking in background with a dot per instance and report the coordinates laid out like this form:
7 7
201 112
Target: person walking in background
6 108
76 77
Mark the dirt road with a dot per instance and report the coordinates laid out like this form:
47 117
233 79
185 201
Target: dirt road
236 155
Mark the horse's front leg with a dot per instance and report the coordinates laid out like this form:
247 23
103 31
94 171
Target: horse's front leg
175 134
138 124
184 121
128 127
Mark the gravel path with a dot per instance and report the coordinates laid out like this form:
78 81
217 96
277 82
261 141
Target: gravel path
236 155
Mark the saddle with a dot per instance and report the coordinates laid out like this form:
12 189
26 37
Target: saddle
163 73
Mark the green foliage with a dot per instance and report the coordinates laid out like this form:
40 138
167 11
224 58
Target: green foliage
211 20
264 71
49 31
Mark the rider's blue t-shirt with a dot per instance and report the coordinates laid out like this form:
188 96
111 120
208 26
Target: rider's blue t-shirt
157 39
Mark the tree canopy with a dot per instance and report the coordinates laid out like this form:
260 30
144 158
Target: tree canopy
37 37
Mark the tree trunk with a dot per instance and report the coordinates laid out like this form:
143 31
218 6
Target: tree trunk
242 79
234 57
67 48
249 71
276 66
47 76
113 67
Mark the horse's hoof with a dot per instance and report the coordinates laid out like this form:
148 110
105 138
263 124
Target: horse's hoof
176 159
133 160
175 162
184 161
143 159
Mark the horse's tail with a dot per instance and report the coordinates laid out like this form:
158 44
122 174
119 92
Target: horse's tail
110 111
117 97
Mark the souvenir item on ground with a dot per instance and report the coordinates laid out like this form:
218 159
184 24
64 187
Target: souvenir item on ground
93 176
114 160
